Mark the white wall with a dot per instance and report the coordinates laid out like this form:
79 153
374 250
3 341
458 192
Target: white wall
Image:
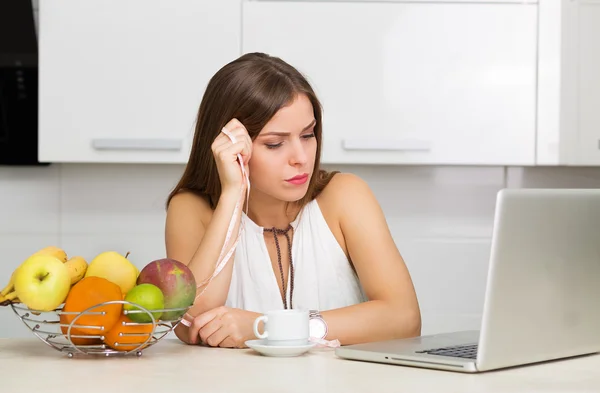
440 218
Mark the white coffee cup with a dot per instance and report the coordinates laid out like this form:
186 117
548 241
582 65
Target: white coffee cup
283 327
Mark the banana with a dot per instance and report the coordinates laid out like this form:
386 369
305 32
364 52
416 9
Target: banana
11 285
77 267
10 298
54 251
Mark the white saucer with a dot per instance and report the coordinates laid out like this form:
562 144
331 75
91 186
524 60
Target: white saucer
263 348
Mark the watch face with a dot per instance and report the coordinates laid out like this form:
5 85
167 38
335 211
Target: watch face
317 328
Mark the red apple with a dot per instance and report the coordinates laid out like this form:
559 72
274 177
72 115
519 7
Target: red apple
175 280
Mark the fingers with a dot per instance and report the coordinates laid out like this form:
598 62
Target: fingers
194 338
236 129
222 142
233 124
219 327
229 342
218 337
224 336
230 152
209 330
239 134
201 320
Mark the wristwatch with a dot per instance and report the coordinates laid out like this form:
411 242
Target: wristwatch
317 325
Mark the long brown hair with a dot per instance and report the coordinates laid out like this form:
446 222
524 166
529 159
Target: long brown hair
252 89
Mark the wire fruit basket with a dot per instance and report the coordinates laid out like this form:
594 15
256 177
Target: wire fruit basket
133 338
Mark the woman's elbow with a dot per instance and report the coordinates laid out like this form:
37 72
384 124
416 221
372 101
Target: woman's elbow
414 323
409 323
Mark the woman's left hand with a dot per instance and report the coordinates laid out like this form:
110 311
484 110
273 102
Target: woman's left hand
223 327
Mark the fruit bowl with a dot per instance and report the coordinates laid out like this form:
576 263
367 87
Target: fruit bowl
125 337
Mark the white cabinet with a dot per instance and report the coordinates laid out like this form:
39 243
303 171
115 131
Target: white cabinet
411 82
459 82
121 80
569 83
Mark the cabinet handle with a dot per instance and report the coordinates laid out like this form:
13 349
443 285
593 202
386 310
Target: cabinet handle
137 144
383 144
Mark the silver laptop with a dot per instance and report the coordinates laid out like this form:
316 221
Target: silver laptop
542 299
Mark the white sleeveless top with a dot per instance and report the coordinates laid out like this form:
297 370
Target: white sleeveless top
323 277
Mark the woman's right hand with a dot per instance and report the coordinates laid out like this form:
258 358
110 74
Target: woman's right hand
225 153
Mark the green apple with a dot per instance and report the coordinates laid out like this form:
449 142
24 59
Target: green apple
42 282
148 296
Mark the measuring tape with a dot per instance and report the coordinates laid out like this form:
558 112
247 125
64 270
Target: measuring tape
224 257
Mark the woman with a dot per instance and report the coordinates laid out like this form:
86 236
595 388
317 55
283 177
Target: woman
310 239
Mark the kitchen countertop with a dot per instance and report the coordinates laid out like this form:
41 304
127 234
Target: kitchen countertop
170 366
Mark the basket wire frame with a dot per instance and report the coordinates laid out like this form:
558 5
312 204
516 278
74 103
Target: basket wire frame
46 326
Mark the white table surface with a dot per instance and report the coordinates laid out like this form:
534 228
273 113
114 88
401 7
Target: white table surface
28 365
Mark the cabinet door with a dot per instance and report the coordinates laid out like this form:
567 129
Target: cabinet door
121 80
587 146
411 82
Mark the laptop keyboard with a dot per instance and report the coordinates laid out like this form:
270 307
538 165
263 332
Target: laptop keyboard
459 351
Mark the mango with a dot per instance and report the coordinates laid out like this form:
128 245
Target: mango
175 280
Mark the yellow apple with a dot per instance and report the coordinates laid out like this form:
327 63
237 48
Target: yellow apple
42 282
114 267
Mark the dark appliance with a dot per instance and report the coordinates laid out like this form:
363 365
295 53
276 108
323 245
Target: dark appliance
18 84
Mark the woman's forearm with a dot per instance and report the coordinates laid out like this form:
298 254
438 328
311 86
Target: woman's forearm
204 259
374 320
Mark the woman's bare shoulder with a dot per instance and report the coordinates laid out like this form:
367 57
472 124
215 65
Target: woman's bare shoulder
187 204
334 201
188 215
342 190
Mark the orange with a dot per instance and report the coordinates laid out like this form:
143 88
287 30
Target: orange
120 334
89 292
80 340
